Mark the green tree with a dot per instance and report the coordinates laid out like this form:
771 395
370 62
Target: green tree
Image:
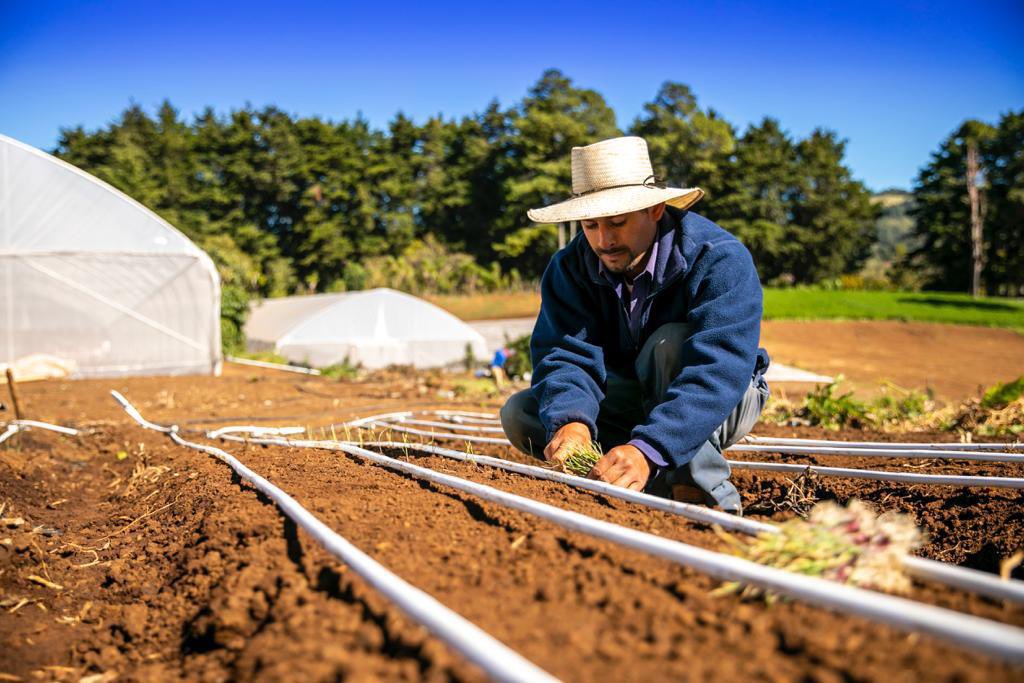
833 219
942 212
554 117
757 195
796 205
1004 225
689 146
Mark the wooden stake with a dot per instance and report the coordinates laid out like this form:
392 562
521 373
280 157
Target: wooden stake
977 202
14 394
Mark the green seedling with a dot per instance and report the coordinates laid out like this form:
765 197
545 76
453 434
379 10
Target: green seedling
581 457
847 545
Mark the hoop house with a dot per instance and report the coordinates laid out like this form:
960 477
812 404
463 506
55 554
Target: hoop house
374 328
93 279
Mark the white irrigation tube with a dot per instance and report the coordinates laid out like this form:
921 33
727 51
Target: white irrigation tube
958 577
468 415
781 440
380 421
46 425
987 456
272 366
497 660
450 425
942 572
1000 640
384 424
459 419
16 426
9 432
256 431
697 513
383 421
359 422
882 475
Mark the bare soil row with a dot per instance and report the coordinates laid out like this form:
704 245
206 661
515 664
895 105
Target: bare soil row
169 567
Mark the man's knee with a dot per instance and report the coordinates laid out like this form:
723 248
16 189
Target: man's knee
746 413
521 423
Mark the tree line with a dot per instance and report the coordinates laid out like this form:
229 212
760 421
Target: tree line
941 210
288 204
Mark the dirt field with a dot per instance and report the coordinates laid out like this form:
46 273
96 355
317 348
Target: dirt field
162 565
954 361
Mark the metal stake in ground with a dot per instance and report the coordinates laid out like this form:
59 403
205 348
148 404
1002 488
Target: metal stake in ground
14 394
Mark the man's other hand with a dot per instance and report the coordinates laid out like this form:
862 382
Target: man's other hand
623 466
567 435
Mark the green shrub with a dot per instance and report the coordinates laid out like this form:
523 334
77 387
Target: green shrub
891 409
265 356
1002 395
824 408
342 371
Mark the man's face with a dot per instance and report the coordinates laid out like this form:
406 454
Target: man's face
622 241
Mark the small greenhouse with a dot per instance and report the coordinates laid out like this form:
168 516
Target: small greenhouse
373 328
93 282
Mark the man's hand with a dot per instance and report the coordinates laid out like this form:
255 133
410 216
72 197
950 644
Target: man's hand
567 435
623 466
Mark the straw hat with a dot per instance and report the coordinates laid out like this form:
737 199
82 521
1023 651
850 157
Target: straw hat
612 177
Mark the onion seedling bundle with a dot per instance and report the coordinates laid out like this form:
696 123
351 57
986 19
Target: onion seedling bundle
848 545
581 457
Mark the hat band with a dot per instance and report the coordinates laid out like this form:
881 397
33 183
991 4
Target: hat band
651 181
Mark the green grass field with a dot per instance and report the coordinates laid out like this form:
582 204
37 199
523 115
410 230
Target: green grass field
959 309
799 304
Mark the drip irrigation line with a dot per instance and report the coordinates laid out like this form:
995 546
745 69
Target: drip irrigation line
46 425
384 424
997 639
496 659
271 366
962 578
880 452
450 425
883 475
467 415
750 438
878 475
256 431
360 421
9 432
16 426
941 572
459 419
383 421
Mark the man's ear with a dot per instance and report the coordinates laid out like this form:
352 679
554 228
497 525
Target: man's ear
657 211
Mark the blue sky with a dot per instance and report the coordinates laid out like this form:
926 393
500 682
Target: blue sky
893 78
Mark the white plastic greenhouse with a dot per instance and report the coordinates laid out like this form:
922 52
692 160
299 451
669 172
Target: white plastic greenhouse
374 328
93 282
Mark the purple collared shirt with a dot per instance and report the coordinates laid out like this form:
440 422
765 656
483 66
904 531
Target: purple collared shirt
632 304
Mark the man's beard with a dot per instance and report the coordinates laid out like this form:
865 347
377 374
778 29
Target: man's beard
624 265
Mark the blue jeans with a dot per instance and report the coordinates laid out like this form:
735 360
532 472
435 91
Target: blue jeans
627 403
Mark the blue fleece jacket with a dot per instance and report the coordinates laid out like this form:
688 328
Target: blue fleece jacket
704 277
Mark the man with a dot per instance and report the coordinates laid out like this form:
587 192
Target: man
647 338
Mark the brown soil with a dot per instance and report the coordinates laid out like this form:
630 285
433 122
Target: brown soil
954 361
169 567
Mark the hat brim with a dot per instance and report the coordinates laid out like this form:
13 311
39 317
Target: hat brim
615 201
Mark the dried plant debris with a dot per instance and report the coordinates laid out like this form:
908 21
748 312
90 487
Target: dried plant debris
848 545
581 457
798 497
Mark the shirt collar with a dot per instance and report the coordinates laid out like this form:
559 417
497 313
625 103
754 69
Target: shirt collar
617 280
